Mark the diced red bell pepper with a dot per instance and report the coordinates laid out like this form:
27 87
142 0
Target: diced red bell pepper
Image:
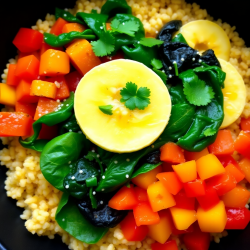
176 231
27 68
124 199
224 143
197 240
28 40
171 182
45 106
169 245
141 194
144 215
27 108
23 93
36 54
245 124
131 231
182 201
237 218
236 172
166 167
15 124
242 144
209 200
195 188
56 29
12 79
227 159
170 152
118 55
48 132
73 80
222 183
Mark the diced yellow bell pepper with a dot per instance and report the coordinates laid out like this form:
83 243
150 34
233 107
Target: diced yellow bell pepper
213 220
43 89
209 166
162 230
186 171
159 197
7 94
183 218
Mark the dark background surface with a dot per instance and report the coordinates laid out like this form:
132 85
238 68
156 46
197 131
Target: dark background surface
24 13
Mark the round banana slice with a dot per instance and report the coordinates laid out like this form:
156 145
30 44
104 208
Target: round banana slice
234 94
203 35
125 130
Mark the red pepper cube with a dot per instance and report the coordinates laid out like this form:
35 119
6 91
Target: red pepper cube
236 172
12 79
171 182
28 40
227 159
35 54
27 108
169 245
124 199
27 68
245 124
73 80
237 218
170 152
224 143
56 29
62 87
131 231
182 201
175 231
23 93
48 132
45 47
209 200
141 194
242 144
195 188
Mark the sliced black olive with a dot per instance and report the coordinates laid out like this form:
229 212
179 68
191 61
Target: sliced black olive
168 30
209 58
154 157
103 215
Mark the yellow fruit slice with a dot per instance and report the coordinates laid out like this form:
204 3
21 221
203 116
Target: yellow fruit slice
234 94
203 35
126 130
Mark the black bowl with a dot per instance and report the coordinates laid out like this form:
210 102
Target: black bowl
15 14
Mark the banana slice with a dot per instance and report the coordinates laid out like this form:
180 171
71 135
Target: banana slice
203 35
126 130
234 94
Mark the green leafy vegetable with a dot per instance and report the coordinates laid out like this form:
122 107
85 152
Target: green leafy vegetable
145 168
92 198
150 42
134 98
179 38
210 132
67 16
111 7
176 69
91 156
71 220
91 182
107 109
156 63
128 27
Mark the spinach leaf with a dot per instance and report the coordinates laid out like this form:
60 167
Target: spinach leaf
57 156
71 220
145 168
112 7
67 16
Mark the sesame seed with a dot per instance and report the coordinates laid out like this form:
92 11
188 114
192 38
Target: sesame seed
170 76
156 31
163 71
170 68
70 166
101 27
97 156
46 112
58 100
92 176
69 162
128 160
123 23
67 105
38 87
64 100
70 130
103 189
79 132
138 42
101 202
127 176
202 66
103 177
198 52
200 61
115 162
39 115
1 116
63 219
105 169
73 177
44 72
174 62
94 192
67 186
193 59
58 56
183 59
93 151
67 125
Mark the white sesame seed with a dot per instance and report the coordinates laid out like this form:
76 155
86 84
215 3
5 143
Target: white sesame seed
1 116
101 27
97 156
127 176
152 146
58 56
193 59
63 219
123 23
67 186
46 112
101 202
67 105
64 100
163 71
38 87
44 72
92 176
73 177
105 169
58 85
93 151
58 100
170 68
170 76
183 59
79 132
200 61
138 42
174 62
156 31
103 189
94 192
70 130
115 162
39 115
128 160
69 162
198 52
103 177
70 166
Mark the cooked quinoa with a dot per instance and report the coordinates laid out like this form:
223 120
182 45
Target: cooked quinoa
25 182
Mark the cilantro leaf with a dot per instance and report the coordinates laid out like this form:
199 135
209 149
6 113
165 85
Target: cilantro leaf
134 98
128 27
105 45
107 109
157 64
150 42
198 93
210 132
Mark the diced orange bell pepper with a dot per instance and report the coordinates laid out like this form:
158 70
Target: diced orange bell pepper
144 215
238 175
184 202
82 56
195 188
213 220
131 231
144 180
159 197
27 68
162 230
141 194
7 94
68 27
56 29
28 108
236 198
245 124
43 88
242 144
15 124
183 218
45 47
209 166
124 199
12 79
224 143
45 106
244 165
62 91
23 93
48 132
171 182
186 171
189 156
54 63
169 245
170 152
